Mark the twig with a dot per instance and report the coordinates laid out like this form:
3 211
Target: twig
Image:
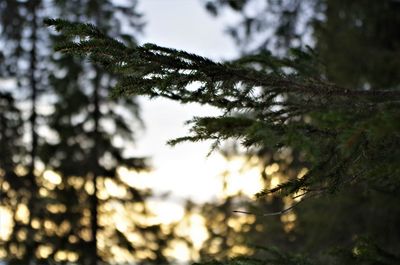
284 211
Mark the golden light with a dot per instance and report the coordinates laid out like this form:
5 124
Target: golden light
21 170
235 164
114 189
52 177
298 196
64 228
22 213
44 251
6 223
17 250
239 250
72 239
269 170
122 226
22 234
76 182
5 186
197 231
35 223
178 250
72 256
85 234
238 223
120 255
288 219
242 177
144 254
165 212
138 179
302 172
56 208
275 180
45 192
89 187
135 239
60 255
3 253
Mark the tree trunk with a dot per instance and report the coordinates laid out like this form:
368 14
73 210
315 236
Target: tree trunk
32 204
94 202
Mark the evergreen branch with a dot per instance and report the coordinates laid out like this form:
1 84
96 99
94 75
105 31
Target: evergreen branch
167 63
270 103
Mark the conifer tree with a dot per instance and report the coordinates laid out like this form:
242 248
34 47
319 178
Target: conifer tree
23 48
93 133
232 86
335 28
348 135
67 207
269 25
342 33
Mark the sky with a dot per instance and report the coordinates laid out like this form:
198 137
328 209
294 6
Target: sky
185 169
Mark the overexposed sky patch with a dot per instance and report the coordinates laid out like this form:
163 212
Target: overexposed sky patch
184 170
186 25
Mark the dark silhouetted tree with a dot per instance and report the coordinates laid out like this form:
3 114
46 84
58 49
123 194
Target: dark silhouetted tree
23 47
75 149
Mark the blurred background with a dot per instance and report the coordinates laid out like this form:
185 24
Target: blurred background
86 179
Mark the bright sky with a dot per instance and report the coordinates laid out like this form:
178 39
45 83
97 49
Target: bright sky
184 169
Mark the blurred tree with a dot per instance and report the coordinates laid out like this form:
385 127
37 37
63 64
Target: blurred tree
93 135
341 33
270 24
23 46
364 32
68 201
10 134
11 186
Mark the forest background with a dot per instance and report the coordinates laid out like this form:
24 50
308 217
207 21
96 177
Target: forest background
338 146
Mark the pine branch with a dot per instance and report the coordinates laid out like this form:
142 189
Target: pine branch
270 104
165 69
